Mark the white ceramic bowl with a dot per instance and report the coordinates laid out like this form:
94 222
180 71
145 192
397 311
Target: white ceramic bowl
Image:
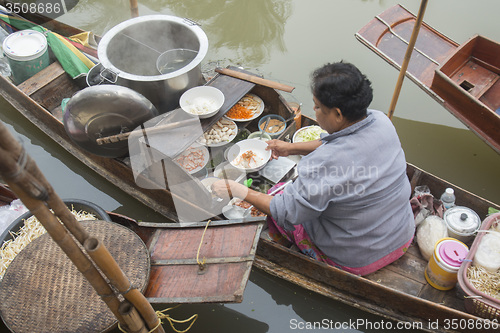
260 155
256 135
202 101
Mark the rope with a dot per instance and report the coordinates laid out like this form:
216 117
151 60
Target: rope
171 321
161 315
202 263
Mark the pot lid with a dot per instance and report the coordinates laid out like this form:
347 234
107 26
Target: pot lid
25 45
462 220
452 252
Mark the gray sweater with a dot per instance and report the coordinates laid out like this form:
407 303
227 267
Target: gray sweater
352 194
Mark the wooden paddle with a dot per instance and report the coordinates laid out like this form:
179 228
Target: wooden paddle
255 79
148 131
406 60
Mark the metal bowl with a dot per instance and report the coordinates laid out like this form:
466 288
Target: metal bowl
76 204
105 110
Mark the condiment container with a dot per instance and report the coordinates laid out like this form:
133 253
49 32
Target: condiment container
441 271
488 252
27 52
462 223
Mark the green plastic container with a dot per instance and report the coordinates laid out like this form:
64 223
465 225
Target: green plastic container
27 53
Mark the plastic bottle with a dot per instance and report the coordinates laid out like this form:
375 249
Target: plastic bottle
4 63
448 198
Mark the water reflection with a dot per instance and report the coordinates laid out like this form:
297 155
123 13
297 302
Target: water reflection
252 29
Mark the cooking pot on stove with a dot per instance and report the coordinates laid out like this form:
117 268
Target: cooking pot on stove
129 53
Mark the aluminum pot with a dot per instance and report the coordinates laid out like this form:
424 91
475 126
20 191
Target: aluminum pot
130 50
105 110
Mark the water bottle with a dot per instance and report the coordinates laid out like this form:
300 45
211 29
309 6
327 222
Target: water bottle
448 198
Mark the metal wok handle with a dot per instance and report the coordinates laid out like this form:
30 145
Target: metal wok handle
111 74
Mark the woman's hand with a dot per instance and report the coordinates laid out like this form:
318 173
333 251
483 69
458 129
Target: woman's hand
278 148
227 189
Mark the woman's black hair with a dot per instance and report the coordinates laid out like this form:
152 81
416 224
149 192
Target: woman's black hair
343 86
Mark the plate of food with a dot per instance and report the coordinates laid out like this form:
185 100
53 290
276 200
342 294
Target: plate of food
193 159
220 134
308 133
249 155
248 108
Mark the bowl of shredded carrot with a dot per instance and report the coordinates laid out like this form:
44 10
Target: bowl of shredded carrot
248 108
249 155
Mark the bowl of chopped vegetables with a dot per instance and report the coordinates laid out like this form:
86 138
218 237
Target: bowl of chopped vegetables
249 155
308 133
202 101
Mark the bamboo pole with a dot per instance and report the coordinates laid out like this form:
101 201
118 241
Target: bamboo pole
24 178
406 60
129 312
134 8
101 256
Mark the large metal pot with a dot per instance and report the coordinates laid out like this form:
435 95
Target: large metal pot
129 53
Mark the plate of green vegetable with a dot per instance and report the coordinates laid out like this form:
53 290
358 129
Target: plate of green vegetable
308 133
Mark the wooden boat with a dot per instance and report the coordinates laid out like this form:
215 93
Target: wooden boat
398 292
462 78
176 276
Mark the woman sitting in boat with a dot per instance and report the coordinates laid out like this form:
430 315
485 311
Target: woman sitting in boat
349 206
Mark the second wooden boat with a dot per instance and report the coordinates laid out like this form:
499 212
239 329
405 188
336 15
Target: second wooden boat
462 78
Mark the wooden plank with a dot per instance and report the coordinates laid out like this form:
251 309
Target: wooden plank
410 266
432 294
224 241
227 253
41 79
393 280
168 284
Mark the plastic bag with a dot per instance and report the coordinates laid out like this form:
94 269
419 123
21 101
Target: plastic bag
432 229
11 212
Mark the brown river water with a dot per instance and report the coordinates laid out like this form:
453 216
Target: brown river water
285 41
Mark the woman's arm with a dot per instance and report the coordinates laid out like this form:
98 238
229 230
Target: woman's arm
282 148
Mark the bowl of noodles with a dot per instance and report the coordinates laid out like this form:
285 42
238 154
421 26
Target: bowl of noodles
26 228
249 155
